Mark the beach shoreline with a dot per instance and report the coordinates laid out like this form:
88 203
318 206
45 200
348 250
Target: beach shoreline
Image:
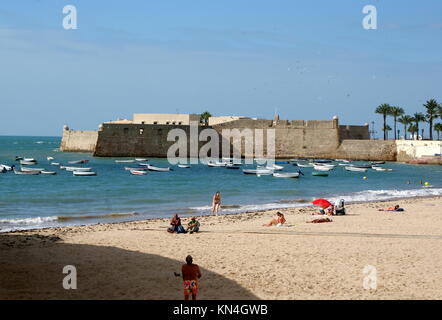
240 258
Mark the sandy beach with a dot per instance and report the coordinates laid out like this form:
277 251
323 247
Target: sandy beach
239 258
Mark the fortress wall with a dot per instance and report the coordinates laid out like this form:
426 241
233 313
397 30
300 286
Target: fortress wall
136 140
78 141
373 150
354 132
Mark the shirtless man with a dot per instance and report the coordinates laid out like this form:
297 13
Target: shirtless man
191 273
216 203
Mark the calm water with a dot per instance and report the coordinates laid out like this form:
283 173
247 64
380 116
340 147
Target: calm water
116 195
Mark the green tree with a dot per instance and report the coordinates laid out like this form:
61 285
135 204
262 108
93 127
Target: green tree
386 128
405 120
438 129
432 110
204 117
412 129
418 117
396 112
384 109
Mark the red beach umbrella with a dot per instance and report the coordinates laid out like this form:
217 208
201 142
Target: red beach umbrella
322 203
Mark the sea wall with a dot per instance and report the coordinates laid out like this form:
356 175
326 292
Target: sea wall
78 141
373 150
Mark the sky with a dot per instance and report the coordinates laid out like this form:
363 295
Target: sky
305 60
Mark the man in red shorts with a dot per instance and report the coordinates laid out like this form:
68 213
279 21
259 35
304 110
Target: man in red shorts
191 273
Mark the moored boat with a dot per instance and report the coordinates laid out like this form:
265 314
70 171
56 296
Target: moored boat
138 172
27 162
153 168
355 169
322 168
286 174
304 165
78 161
83 173
184 166
216 164
32 173
258 171
124 161
48 172
28 169
78 169
141 159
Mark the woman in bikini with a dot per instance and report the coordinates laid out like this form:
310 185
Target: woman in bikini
280 220
216 203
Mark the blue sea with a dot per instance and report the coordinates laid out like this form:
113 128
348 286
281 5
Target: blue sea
116 195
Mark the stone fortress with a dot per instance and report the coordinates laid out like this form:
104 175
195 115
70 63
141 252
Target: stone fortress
146 136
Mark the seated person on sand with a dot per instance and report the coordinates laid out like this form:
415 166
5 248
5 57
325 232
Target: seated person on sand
175 222
193 225
395 208
279 221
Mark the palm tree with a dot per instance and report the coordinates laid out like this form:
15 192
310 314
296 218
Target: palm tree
396 112
386 128
432 110
384 109
405 120
204 117
438 128
418 117
412 129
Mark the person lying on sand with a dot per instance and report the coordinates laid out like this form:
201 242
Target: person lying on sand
191 273
320 220
395 208
193 225
279 221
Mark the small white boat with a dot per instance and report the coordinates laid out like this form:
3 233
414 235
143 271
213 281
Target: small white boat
134 168
322 168
55 163
286 174
83 173
29 159
48 172
184 166
144 164
274 167
141 159
77 169
216 164
138 172
26 162
78 161
6 167
153 168
232 166
381 169
32 173
28 169
355 169
124 161
258 171
50 158
304 165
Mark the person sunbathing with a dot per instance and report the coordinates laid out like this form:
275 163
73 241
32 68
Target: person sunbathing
325 211
279 221
395 208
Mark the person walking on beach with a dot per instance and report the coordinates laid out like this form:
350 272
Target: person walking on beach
216 203
191 273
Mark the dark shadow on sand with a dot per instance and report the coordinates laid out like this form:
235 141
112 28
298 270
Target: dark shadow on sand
31 268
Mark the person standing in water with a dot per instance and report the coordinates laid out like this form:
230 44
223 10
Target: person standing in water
191 273
216 203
